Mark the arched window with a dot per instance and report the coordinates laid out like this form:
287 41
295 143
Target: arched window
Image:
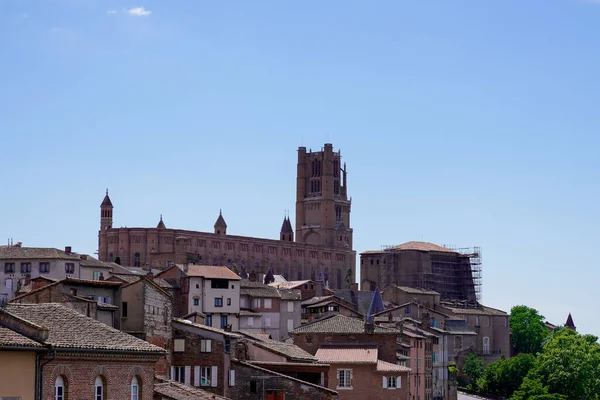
486 345
135 389
99 388
136 260
59 388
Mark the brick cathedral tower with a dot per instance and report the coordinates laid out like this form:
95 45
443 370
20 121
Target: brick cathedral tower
106 213
322 204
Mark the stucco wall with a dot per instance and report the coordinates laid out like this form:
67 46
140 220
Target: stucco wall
17 374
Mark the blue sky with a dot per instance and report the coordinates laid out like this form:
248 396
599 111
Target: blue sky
466 123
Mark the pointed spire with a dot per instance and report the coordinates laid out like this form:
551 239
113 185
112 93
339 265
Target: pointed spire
376 305
220 221
286 226
161 224
569 324
106 202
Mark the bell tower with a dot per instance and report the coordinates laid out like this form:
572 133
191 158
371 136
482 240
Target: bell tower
106 213
322 204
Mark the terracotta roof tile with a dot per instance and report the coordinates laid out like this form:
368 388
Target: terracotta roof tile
11 338
289 284
340 324
172 390
423 246
347 355
69 329
211 272
383 366
25 253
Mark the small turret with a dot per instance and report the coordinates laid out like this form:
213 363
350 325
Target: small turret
161 224
569 324
287 232
106 213
220 225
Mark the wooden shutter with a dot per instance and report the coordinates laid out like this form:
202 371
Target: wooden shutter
213 378
196 376
173 373
188 372
399 382
384 382
231 377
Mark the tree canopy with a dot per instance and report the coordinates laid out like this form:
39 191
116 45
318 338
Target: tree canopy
503 377
473 368
528 329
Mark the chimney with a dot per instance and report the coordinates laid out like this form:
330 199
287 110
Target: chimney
390 317
261 277
27 279
68 249
369 328
150 275
354 288
319 288
101 277
83 256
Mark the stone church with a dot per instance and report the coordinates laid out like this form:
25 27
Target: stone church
319 248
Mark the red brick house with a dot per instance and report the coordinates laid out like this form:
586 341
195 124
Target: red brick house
357 373
83 358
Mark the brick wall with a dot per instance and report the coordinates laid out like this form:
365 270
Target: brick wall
386 343
79 372
157 325
367 383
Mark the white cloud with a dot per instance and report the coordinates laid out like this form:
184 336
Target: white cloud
139 12
111 12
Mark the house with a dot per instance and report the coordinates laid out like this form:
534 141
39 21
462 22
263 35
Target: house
19 264
211 290
308 288
224 362
357 373
264 308
100 300
321 306
342 330
146 314
82 358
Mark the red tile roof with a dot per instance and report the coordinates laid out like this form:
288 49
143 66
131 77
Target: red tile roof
383 366
211 272
423 246
347 355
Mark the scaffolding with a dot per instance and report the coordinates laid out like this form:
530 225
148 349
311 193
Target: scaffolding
455 274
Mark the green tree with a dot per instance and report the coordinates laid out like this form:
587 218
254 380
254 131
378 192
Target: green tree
473 368
528 329
505 376
348 277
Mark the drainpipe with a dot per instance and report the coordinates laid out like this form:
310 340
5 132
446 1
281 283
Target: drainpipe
41 374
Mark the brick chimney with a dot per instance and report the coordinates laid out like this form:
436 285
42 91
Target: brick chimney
68 249
101 277
319 288
369 328
150 275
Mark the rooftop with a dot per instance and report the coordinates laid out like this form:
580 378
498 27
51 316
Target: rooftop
10 338
69 329
340 324
172 390
35 253
413 290
347 355
383 366
289 284
211 272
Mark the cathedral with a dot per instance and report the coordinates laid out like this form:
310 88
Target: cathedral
319 248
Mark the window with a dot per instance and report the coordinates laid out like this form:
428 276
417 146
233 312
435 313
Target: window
268 321
486 345
136 260
135 389
290 306
218 302
267 303
178 374
59 388
389 382
208 320
99 388
344 378
9 268
505 322
25 267
44 267
253 386
228 301
256 303
69 268
219 283
124 309
97 275
205 345
205 376
196 301
223 321
489 319
290 324
179 345
407 310
250 321
231 377
476 321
